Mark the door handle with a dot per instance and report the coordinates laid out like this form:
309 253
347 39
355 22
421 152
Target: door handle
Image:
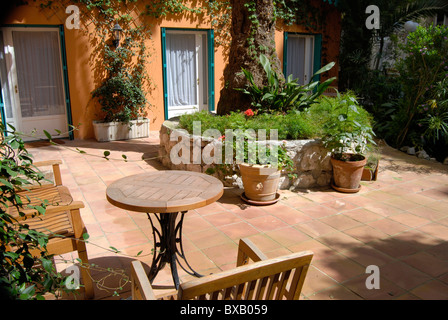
197 81
15 89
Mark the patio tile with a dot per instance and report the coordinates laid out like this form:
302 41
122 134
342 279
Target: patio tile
428 213
121 240
210 209
362 215
207 238
249 212
339 267
316 281
320 250
287 236
340 222
238 230
409 219
433 290
427 263
287 214
437 194
387 289
337 292
121 224
222 218
365 233
222 254
192 224
319 196
318 211
315 228
393 247
403 275
382 208
435 230
365 256
388 226
398 223
340 205
267 223
439 250
296 201
264 243
339 241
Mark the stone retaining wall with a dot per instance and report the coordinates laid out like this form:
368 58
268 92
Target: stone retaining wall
311 159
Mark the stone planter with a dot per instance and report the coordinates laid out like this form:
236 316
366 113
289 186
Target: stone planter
311 159
111 131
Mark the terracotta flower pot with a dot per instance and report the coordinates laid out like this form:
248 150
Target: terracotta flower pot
260 182
347 174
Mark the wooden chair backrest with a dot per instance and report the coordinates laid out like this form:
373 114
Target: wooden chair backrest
273 279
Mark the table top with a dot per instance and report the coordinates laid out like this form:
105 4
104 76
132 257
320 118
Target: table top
164 191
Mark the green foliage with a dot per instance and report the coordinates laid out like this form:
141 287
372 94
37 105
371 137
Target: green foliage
22 275
282 97
288 126
313 122
121 93
347 130
422 74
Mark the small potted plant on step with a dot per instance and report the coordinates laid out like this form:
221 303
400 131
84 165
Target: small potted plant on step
349 136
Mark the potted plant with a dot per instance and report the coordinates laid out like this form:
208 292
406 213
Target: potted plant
349 136
370 172
260 166
121 96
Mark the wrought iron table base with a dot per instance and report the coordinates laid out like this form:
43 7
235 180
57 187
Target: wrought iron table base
168 246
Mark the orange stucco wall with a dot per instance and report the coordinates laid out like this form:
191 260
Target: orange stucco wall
79 58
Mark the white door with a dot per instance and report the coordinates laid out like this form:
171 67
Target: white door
32 81
300 57
186 72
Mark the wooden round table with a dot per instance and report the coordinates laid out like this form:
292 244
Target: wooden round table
166 194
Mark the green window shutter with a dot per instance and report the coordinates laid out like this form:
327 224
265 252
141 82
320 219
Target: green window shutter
317 54
211 69
285 50
165 85
66 85
2 110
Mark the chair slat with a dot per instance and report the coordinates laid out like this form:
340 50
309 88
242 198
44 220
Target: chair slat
266 279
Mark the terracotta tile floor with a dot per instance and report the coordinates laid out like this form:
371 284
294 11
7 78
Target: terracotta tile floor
398 223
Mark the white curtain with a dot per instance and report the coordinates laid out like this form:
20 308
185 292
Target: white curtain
4 80
39 73
299 56
181 69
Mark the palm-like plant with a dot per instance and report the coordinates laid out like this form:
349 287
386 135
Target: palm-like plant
277 96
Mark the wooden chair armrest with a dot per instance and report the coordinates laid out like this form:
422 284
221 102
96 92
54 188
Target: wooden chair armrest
56 169
47 163
58 208
141 287
50 210
247 250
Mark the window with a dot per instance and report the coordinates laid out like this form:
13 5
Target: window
301 58
187 71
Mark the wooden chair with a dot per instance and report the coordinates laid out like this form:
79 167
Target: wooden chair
62 220
265 279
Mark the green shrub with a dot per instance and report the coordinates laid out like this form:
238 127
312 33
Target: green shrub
308 124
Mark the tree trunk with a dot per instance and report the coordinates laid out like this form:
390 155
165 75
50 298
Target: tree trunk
250 38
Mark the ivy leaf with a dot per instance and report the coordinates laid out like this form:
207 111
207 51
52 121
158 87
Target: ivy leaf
48 135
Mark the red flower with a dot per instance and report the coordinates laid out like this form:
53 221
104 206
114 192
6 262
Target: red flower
249 112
